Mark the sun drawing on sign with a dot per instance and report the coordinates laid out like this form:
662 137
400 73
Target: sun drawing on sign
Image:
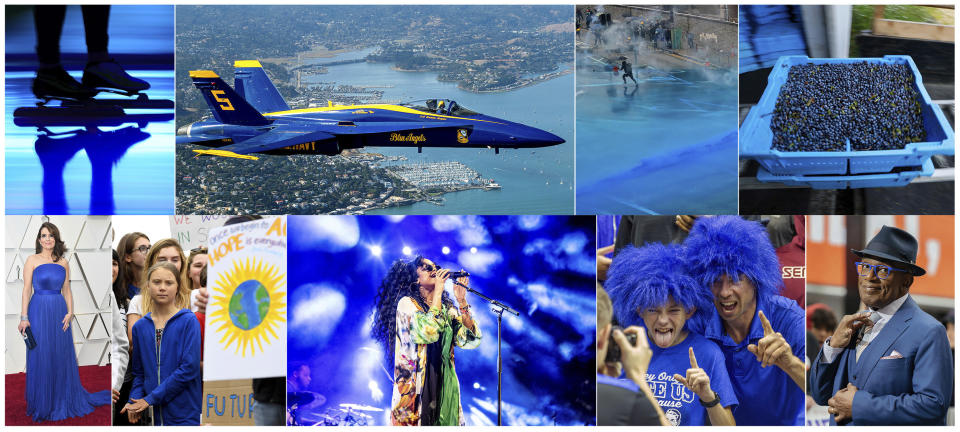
249 306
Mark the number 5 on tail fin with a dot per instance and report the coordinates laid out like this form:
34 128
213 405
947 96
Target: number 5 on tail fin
227 106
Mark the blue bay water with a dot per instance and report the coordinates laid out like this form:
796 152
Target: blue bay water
666 146
534 181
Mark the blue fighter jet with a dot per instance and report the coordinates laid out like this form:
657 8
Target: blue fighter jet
254 118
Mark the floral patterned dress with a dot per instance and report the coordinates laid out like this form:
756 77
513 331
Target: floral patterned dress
416 329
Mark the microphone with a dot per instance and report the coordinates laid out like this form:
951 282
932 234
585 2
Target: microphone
457 274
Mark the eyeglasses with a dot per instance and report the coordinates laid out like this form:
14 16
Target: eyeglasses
430 267
143 249
200 249
882 271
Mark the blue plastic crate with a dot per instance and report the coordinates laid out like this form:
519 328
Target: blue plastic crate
756 138
855 181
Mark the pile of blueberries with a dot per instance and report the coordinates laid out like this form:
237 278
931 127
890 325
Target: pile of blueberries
821 106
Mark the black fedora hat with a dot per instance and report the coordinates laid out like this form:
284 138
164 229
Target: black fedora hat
895 245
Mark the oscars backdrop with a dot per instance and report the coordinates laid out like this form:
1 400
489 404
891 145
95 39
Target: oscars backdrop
88 240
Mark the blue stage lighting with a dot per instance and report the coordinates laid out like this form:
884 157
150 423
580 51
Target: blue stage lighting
548 358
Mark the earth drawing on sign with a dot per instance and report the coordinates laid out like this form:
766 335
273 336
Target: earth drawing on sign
249 304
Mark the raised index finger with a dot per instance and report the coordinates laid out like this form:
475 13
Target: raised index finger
693 359
767 328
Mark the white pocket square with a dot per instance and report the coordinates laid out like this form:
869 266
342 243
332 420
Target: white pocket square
893 355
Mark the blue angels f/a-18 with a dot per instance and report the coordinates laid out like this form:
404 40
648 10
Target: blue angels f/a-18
255 118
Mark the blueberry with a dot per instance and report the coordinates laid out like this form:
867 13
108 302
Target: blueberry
821 107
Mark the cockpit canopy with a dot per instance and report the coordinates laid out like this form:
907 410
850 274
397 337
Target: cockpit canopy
440 106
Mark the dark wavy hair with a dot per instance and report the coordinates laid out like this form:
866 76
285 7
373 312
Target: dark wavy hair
119 290
400 282
59 248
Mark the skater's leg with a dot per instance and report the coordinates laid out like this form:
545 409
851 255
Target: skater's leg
48 20
52 80
96 19
102 71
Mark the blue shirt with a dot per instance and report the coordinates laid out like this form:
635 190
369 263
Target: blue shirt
680 405
132 290
768 396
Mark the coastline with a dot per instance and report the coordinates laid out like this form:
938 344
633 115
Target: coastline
322 52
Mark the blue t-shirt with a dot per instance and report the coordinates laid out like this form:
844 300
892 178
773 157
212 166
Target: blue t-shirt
132 290
680 405
768 395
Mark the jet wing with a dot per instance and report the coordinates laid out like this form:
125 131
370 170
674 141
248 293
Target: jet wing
184 139
275 139
360 128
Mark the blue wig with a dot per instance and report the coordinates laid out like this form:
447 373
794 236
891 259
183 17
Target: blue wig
641 278
731 245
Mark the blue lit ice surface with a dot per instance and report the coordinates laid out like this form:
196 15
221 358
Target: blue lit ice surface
666 146
121 170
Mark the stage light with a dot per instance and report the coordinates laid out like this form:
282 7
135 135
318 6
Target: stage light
471 230
444 223
317 310
407 250
473 250
530 222
375 391
573 242
376 250
445 250
325 233
480 262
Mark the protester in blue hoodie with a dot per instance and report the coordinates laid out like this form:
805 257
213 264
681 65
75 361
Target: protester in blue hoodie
166 353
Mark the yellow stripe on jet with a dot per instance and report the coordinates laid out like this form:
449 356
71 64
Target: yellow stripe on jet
203 74
395 108
247 63
225 153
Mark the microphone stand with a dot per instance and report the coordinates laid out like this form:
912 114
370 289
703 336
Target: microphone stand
498 308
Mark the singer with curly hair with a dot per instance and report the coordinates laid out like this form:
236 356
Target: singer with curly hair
420 324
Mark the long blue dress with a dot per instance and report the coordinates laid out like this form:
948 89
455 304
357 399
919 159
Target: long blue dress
53 389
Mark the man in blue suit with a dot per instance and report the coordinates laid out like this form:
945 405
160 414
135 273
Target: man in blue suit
891 363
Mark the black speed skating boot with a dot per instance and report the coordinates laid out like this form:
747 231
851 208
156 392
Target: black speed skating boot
58 84
109 74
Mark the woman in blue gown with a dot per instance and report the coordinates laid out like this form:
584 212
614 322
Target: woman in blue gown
53 388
